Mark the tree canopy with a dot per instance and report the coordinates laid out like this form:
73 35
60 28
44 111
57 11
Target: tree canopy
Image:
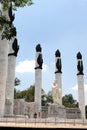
69 101
16 3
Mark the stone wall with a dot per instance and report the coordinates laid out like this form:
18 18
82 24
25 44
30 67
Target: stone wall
19 107
24 108
30 109
55 110
73 113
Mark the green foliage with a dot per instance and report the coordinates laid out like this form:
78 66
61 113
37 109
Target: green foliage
16 3
8 31
69 101
6 27
28 95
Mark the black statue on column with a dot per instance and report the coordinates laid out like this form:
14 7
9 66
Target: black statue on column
40 61
58 62
39 58
79 64
15 47
11 16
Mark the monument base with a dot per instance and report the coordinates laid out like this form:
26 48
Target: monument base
55 110
73 113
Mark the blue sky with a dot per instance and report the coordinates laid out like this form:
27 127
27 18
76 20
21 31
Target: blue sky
59 24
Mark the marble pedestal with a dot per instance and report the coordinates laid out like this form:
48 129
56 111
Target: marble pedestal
55 110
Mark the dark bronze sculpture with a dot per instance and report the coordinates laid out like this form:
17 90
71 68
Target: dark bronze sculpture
79 64
40 61
11 16
15 47
13 32
38 48
58 62
57 53
39 58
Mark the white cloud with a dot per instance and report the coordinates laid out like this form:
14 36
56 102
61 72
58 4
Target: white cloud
75 88
27 66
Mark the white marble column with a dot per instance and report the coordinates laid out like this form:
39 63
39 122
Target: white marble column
3 68
59 85
38 80
58 73
81 99
9 101
80 80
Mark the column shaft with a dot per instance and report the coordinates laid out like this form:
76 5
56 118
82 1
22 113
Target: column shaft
59 85
81 98
9 103
38 82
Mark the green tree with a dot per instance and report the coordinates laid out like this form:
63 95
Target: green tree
16 3
49 97
29 97
69 101
27 94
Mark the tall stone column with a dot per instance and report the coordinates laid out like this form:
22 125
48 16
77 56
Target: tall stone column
38 80
3 67
12 53
9 95
58 82
80 79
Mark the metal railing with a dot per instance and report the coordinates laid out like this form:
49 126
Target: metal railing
43 121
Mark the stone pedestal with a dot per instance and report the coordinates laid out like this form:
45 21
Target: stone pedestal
81 98
59 84
73 113
55 110
19 107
